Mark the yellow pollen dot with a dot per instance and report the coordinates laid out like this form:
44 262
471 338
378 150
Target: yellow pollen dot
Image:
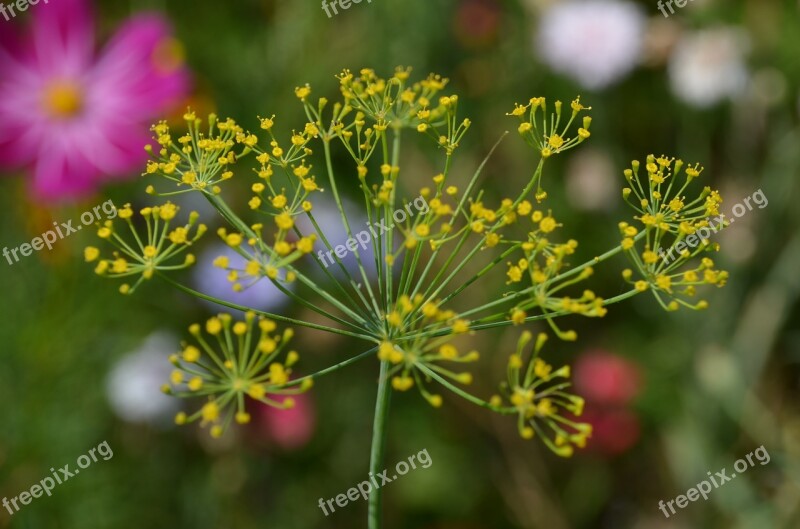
191 354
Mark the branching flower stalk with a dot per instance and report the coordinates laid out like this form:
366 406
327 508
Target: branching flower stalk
405 295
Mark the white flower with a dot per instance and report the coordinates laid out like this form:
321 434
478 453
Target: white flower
708 66
133 386
595 42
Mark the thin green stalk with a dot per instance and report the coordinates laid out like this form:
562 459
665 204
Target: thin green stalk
341 266
405 282
485 323
376 458
461 393
334 367
550 315
483 272
456 213
390 208
240 225
564 275
339 205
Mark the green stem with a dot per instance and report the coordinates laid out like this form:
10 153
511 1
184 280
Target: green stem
335 191
456 214
461 393
334 367
376 458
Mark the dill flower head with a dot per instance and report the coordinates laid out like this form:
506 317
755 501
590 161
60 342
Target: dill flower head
196 160
414 362
671 232
545 268
539 397
401 273
142 255
230 362
546 133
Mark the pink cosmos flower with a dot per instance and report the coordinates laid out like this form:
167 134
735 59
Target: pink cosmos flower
74 118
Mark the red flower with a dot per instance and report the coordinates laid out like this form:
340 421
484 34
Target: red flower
290 429
608 383
605 378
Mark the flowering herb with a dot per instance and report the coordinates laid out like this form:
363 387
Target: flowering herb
408 315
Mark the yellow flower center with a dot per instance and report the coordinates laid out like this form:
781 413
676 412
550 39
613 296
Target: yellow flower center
63 99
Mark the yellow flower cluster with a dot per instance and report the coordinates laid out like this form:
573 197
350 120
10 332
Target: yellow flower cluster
546 133
544 266
414 359
264 259
156 250
289 155
198 161
260 259
671 228
390 101
539 396
236 360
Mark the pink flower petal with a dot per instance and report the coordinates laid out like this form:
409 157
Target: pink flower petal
62 172
13 48
614 431
137 74
115 146
19 144
63 37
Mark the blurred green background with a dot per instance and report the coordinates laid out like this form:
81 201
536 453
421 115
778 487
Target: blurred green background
717 83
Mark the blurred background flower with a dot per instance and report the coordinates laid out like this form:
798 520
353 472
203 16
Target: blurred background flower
289 429
609 384
329 219
213 281
595 42
708 66
134 383
73 119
